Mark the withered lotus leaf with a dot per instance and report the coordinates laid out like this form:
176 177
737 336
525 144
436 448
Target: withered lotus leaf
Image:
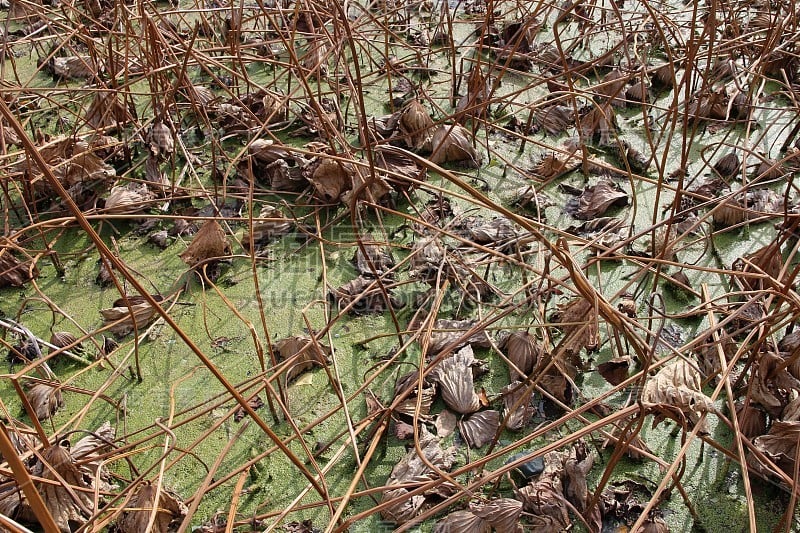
330 178
72 67
678 385
653 524
107 111
65 505
480 428
210 242
454 376
523 352
576 467
161 140
399 170
595 200
271 224
462 522
779 445
140 313
544 499
304 352
365 295
615 370
446 332
89 454
128 199
14 272
142 505
372 258
517 407
445 423
502 514
453 144
412 468
45 398
554 119
415 124
579 322
753 421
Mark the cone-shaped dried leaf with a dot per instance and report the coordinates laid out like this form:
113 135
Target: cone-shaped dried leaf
128 199
502 514
141 506
678 385
412 468
142 313
453 144
161 140
72 67
107 111
13 272
45 399
210 242
372 258
753 421
409 405
89 452
523 351
454 376
330 178
415 124
554 119
66 506
304 353
615 370
594 201
480 428
780 445
445 423
544 499
365 295
580 326
271 225
576 468
516 394
446 332
462 522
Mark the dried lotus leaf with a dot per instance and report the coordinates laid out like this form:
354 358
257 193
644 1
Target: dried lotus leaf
372 258
523 351
678 385
161 140
136 514
779 445
480 428
452 333
517 407
14 272
304 352
453 144
128 199
124 318
60 501
363 296
330 179
45 398
595 200
210 242
503 514
454 376
415 124
462 522
108 112
580 326
271 224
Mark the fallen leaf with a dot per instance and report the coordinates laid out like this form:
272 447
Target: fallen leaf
677 385
454 376
365 295
139 509
523 352
445 423
453 144
140 313
59 467
517 394
479 428
304 354
594 201
209 243
45 398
